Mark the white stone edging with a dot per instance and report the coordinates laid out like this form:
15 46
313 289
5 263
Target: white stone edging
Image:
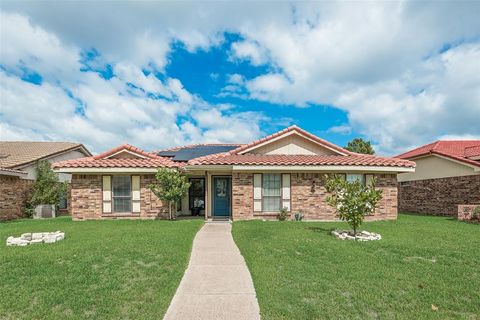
36 237
361 236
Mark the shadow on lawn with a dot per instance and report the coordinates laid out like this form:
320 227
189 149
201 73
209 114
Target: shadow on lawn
321 229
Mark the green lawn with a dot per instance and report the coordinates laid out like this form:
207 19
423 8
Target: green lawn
102 270
301 272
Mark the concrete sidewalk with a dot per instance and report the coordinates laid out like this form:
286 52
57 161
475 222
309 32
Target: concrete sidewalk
217 283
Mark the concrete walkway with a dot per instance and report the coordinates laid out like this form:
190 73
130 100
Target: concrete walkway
217 283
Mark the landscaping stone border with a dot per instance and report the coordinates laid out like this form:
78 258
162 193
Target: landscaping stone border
361 236
36 237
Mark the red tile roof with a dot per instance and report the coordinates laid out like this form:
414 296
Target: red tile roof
102 161
286 130
471 152
459 150
235 157
304 160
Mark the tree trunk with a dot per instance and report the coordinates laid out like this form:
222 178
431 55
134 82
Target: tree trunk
355 232
170 210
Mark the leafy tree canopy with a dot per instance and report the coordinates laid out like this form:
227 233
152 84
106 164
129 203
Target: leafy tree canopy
47 189
359 145
170 186
352 200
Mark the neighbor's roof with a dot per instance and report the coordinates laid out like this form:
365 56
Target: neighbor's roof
12 172
17 153
147 160
301 160
461 150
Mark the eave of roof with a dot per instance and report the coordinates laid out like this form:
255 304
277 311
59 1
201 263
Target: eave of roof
300 160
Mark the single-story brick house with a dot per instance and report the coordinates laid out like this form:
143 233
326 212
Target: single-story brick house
447 175
18 163
239 181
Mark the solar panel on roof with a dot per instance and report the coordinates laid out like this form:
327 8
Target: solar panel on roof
186 154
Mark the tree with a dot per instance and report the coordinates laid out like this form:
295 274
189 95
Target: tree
47 189
170 186
352 200
359 145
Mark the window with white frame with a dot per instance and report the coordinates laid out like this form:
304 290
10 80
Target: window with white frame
271 192
122 193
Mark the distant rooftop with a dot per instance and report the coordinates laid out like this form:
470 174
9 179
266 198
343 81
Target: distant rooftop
17 153
190 152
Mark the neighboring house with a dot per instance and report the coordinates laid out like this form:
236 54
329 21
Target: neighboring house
243 181
447 175
18 161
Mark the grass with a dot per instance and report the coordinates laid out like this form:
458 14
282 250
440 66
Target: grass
301 272
102 270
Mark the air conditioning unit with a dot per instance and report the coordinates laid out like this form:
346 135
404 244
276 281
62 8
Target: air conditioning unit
44 211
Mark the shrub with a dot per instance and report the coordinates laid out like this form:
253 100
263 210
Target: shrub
283 215
352 200
47 189
170 186
476 214
298 216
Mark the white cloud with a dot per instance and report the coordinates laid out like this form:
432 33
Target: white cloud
132 106
342 129
378 61
249 50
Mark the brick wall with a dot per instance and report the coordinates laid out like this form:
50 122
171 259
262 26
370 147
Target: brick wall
439 196
14 194
308 195
87 204
242 196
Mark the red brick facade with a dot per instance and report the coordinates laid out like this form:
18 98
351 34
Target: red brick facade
87 203
14 193
308 195
242 196
439 196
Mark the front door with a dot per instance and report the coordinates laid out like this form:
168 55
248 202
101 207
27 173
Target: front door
221 196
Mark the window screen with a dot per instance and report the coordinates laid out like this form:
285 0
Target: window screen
356 177
122 193
271 191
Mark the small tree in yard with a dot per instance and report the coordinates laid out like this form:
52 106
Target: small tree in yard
170 186
352 200
46 189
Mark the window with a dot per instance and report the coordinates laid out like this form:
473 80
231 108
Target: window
352 177
122 193
196 193
63 204
369 179
271 192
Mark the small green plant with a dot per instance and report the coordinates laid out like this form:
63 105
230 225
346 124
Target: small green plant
476 213
170 186
283 215
298 216
352 200
46 189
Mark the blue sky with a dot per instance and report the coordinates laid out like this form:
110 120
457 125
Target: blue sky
157 74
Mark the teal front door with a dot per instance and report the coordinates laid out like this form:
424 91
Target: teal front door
221 196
